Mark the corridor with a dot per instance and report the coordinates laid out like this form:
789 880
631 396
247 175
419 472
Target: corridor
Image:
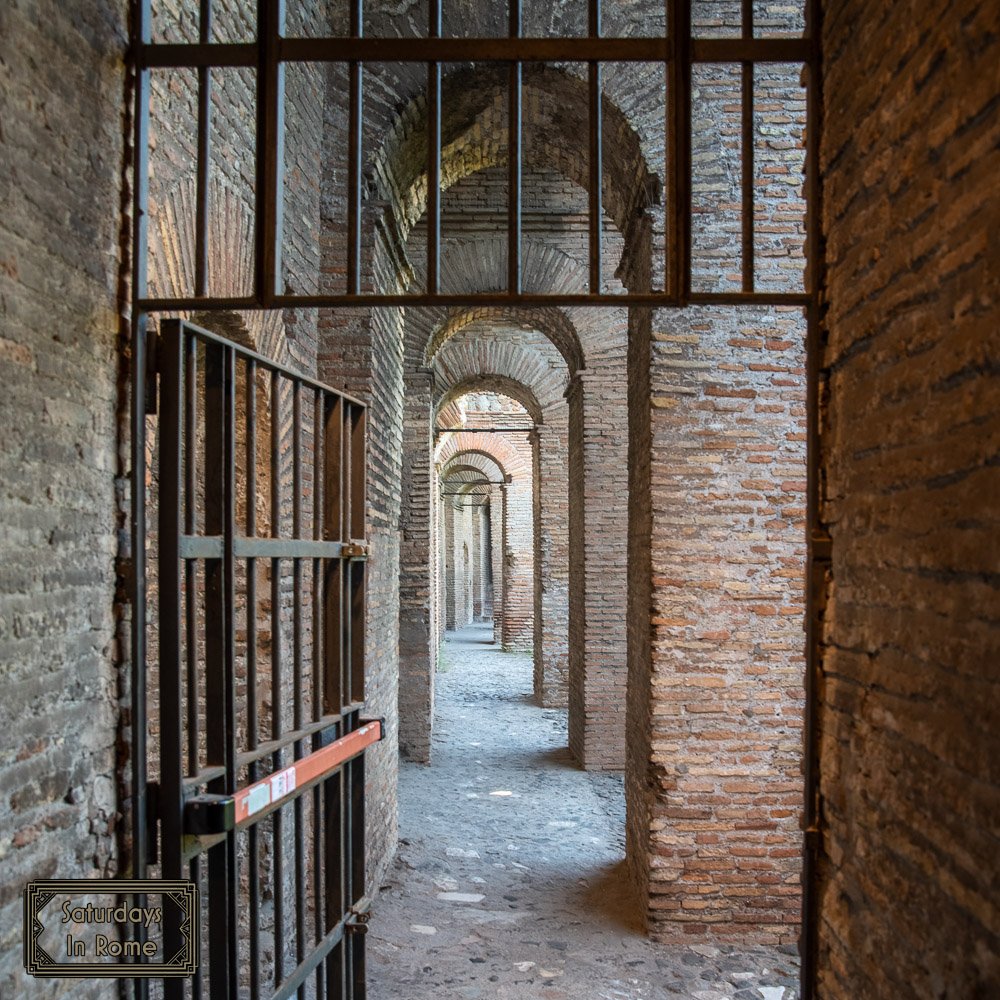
509 880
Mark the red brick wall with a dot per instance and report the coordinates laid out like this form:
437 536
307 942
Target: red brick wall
908 714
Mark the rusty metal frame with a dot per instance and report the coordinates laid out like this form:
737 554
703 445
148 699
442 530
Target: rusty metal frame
677 51
200 807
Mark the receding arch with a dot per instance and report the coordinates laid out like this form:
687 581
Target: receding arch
551 322
474 136
502 385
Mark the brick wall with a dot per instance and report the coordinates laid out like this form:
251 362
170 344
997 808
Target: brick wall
726 708
63 677
908 714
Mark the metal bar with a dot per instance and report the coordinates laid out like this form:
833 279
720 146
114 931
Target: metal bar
483 430
818 543
314 961
250 527
489 50
281 787
747 178
171 737
262 362
141 34
596 123
434 155
332 522
190 525
524 300
354 152
679 209
270 149
219 737
204 151
278 887
514 155
356 771
334 902
319 403
298 817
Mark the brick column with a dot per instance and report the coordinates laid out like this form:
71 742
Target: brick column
552 558
598 515
416 659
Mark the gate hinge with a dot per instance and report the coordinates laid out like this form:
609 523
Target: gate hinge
352 550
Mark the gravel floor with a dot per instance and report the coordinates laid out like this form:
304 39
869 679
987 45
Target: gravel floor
509 879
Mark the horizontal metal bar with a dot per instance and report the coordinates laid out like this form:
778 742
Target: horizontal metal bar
171 55
210 547
723 50
661 299
276 789
422 50
285 548
200 547
482 430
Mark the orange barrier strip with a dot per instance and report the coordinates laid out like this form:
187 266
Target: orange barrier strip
281 785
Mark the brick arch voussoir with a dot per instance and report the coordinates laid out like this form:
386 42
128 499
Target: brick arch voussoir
551 322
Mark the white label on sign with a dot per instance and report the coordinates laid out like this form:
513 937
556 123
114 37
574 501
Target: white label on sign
258 798
282 783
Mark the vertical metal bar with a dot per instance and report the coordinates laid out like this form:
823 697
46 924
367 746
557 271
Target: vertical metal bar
191 594
297 711
219 654
354 150
319 404
333 814
679 151
141 35
514 156
434 157
819 565
357 569
204 151
596 119
190 566
333 493
276 692
747 153
747 178
270 148
171 736
357 834
250 527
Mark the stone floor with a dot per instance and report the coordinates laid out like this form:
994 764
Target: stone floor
509 879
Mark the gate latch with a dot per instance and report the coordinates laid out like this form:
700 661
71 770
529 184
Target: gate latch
208 814
359 915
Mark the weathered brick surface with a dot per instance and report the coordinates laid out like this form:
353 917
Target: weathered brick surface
725 706
908 714
61 152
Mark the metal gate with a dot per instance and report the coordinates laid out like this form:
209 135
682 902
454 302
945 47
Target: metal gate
260 688
217 551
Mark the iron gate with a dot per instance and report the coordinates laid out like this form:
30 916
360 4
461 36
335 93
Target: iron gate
260 729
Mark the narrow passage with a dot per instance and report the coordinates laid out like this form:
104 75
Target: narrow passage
509 881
